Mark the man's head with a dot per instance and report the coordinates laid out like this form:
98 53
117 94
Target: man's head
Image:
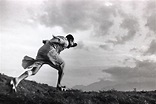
70 39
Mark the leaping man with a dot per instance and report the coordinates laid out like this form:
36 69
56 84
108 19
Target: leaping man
47 54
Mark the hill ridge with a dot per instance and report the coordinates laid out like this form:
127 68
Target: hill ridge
31 92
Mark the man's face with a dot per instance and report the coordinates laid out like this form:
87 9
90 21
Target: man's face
71 42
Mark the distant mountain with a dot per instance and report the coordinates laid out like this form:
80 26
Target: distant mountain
129 86
80 87
96 86
108 85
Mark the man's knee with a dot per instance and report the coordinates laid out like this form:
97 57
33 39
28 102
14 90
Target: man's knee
61 68
60 72
29 72
33 71
62 65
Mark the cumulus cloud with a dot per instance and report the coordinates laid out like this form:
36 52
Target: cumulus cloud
73 15
143 69
152 48
105 47
8 12
134 50
150 7
129 23
80 45
67 14
151 22
150 14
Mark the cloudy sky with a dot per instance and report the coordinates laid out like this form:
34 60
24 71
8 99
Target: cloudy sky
116 38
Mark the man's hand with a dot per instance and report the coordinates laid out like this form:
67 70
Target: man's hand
44 41
74 45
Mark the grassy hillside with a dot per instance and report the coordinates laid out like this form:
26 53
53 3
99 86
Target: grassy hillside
30 92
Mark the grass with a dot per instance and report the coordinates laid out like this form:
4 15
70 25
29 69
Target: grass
30 92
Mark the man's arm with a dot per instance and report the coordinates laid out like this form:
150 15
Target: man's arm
55 40
51 41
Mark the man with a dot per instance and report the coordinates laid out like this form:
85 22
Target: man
47 54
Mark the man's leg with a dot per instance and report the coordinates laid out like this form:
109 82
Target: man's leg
57 63
60 69
60 74
26 74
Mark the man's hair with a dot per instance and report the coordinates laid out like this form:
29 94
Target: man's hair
70 37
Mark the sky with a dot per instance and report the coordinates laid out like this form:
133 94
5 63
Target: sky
116 39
